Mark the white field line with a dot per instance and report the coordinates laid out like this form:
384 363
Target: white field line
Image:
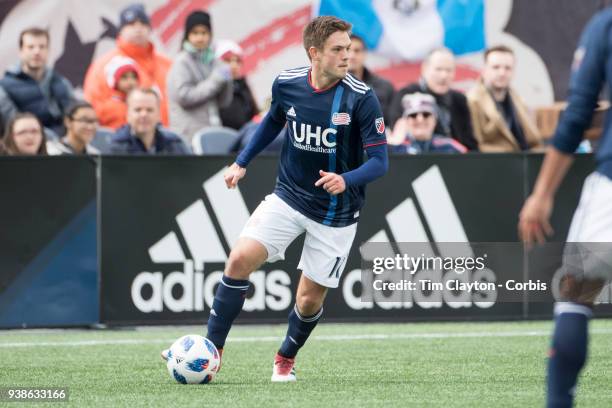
259 339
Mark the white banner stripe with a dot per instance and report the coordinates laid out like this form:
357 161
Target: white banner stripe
407 228
200 235
228 205
167 249
332 337
440 213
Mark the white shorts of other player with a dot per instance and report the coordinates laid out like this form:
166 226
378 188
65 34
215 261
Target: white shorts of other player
275 225
592 223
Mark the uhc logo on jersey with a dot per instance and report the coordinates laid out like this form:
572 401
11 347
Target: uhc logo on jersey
380 125
341 118
313 138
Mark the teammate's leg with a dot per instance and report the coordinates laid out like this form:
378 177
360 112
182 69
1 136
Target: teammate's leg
587 266
568 352
245 257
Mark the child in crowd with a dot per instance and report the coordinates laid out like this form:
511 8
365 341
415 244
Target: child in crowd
121 76
243 106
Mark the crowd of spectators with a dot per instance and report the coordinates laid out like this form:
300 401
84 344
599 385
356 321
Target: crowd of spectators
152 105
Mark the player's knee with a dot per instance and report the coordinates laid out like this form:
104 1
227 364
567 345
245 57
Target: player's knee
239 265
570 288
308 304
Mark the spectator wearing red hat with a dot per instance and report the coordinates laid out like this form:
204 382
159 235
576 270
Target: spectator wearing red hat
133 41
122 77
243 106
198 84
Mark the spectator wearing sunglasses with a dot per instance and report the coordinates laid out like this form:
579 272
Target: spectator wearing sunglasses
453 112
414 131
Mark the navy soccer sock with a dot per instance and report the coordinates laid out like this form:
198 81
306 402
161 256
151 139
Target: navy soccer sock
228 303
567 354
298 331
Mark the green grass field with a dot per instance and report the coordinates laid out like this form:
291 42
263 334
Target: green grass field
365 365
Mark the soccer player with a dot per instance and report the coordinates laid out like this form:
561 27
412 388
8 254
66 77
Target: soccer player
592 221
330 118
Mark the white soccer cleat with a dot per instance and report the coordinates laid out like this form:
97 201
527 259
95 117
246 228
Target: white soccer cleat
283 369
165 354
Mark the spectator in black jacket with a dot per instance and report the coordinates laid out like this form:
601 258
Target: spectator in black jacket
31 86
143 133
381 87
243 106
437 74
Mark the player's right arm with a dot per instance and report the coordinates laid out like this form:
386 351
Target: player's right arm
534 224
588 77
266 132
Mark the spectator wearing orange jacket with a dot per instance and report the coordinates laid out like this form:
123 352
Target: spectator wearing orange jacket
133 42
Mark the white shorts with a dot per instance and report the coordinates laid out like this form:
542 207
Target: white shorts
275 225
591 229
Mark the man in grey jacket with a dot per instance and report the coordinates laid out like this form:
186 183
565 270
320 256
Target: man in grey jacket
198 84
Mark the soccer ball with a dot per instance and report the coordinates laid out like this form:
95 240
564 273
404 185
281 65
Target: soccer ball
193 359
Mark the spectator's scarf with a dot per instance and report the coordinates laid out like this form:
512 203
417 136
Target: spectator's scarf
206 56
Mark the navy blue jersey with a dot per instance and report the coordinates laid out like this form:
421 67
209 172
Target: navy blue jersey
591 70
328 130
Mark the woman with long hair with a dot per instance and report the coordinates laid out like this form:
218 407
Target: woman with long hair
24 136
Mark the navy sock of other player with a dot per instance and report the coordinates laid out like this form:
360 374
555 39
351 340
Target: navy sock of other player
568 352
298 331
229 299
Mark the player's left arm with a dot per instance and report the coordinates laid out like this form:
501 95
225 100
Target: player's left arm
376 166
372 129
